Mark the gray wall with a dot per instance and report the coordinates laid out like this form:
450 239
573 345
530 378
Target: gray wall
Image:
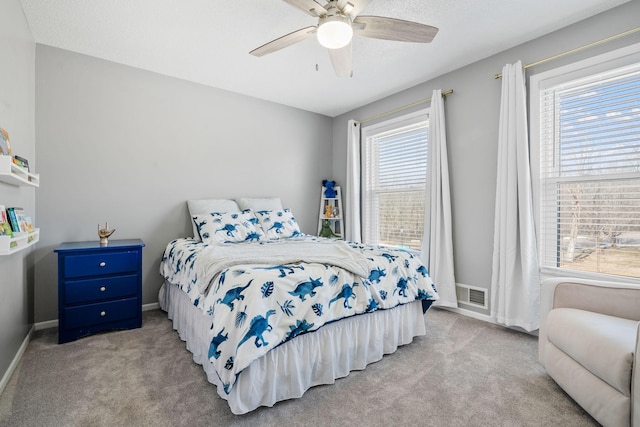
17 103
128 146
472 114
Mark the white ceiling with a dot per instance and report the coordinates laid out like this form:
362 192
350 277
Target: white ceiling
208 42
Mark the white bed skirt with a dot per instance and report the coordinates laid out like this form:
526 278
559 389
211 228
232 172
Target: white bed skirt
308 360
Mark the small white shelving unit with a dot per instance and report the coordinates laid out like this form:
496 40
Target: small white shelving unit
331 214
10 173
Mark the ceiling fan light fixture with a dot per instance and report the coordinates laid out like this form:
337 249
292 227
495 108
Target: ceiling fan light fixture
334 32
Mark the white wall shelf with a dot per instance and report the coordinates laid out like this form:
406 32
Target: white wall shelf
19 241
10 173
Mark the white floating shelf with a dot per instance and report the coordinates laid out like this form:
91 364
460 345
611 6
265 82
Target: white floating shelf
10 173
19 241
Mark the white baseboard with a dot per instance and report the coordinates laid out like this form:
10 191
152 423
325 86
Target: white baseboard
46 324
152 306
16 359
469 313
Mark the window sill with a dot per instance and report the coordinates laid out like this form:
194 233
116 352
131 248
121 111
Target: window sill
548 272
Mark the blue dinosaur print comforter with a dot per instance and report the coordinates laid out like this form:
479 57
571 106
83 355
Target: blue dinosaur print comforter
255 307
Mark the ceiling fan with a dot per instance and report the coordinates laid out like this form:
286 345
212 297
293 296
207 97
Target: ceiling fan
338 21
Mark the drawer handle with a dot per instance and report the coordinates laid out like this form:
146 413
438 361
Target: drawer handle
102 264
103 313
103 288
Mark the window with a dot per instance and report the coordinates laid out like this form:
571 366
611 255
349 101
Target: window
394 172
589 166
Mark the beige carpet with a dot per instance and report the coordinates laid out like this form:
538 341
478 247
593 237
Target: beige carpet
464 372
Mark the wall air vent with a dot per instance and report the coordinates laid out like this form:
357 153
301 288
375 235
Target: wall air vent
471 295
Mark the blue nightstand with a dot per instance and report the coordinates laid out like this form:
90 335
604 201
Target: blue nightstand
99 287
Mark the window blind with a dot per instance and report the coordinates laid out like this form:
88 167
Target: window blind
590 174
395 171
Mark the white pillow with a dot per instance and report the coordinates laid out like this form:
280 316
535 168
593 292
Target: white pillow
228 227
278 224
260 203
205 206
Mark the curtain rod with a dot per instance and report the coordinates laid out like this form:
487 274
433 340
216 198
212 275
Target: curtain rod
422 101
578 49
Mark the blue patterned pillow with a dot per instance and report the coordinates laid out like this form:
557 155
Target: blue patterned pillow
228 227
278 224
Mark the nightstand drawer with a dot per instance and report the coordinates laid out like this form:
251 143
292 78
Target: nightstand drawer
102 312
88 290
99 264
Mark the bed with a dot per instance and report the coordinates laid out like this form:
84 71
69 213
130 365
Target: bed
269 311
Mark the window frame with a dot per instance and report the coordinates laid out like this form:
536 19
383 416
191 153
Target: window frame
538 83
422 115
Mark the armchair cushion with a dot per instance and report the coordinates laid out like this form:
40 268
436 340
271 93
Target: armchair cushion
602 344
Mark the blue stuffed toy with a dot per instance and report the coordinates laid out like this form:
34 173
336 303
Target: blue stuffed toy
329 190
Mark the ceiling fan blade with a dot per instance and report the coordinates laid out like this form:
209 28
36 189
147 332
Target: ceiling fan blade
311 7
284 41
342 61
378 27
355 7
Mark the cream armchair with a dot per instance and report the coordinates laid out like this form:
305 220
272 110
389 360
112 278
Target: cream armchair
589 344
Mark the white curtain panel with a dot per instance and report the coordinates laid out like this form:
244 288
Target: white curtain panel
352 200
515 281
437 246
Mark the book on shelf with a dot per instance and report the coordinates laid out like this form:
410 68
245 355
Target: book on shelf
15 214
5 145
5 226
28 224
24 223
21 161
